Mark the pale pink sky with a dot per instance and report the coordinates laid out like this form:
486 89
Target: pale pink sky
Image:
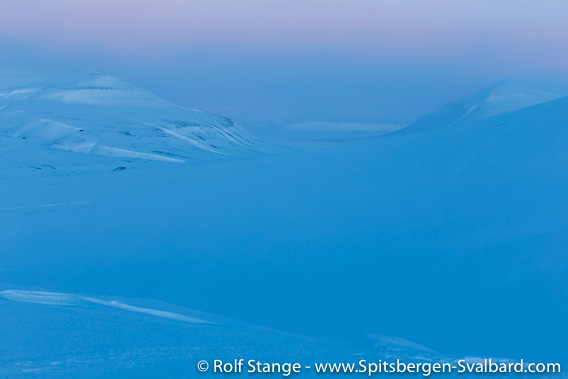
400 29
359 58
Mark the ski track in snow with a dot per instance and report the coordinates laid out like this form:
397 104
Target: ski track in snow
70 204
49 205
40 297
66 299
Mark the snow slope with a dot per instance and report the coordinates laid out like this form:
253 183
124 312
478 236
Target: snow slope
109 337
502 97
95 122
453 239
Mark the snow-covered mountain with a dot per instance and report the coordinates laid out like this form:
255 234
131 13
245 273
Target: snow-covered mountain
453 239
502 97
97 121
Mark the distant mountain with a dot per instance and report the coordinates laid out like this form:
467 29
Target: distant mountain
102 116
502 97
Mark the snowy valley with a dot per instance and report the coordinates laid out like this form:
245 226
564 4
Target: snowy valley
135 234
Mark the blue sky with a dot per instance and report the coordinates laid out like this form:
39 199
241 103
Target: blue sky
356 59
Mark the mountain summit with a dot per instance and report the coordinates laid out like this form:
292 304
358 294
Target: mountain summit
103 116
502 97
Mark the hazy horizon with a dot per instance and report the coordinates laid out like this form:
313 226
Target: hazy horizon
369 61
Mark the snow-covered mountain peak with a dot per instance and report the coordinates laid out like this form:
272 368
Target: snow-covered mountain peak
94 89
102 116
502 97
508 95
